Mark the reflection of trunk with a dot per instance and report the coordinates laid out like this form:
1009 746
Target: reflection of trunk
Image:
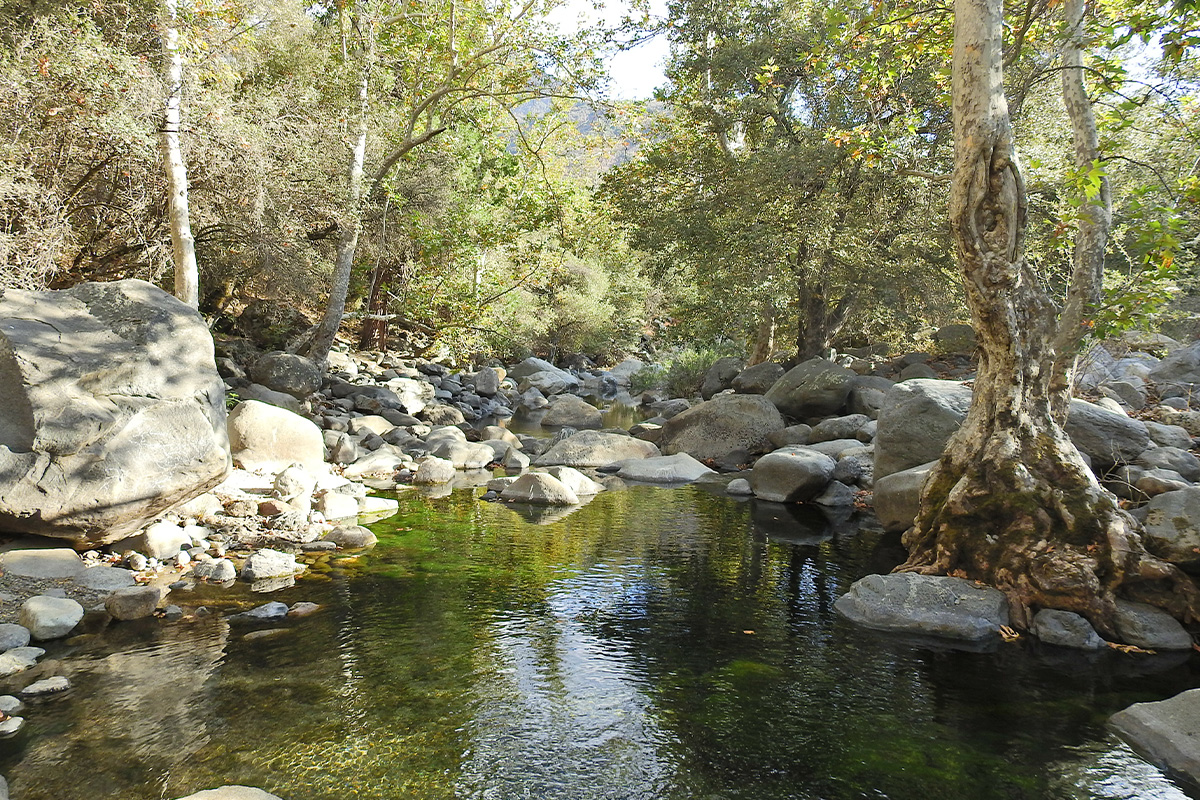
183 246
818 323
764 338
1012 503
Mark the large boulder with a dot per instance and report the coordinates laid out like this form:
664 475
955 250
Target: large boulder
569 410
897 497
725 425
951 608
541 489
816 388
286 372
595 449
679 468
916 420
111 410
1173 527
264 437
1166 733
758 379
720 376
1179 373
792 474
1106 437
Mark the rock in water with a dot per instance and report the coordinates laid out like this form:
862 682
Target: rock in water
950 608
111 410
1166 732
231 793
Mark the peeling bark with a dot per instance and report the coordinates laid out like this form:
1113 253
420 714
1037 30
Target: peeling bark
1012 503
183 244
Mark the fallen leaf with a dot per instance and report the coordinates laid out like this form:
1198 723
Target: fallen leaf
1008 634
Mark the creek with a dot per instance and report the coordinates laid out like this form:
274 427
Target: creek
653 644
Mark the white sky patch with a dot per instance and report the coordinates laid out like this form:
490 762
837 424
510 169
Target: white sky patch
635 72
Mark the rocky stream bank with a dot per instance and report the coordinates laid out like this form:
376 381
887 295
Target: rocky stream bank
115 441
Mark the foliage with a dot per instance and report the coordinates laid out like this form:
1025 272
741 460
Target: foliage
680 371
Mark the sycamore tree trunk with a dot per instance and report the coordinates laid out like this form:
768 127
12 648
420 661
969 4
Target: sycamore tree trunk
350 225
183 244
819 319
764 337
1012 503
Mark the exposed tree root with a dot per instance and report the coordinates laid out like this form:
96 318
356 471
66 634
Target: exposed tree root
1027 516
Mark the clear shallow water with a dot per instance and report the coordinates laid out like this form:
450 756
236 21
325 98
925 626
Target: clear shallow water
653 644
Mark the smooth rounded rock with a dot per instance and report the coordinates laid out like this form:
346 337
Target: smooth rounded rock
52 563
792 474
269 438
49 617
728 424
13 635
1066 629
351 537
595 449
538 488
133 602
231 793
268 563
940 606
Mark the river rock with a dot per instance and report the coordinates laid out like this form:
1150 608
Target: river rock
955 338
1167 732
1168 435
867 394
13 635
738 425
220 571
792 474
951 608
576 481
595 449
1172 521
265 612
897 497
115 417
133 602
286 372
1105 436
816 388
231 793
1146 626
18 660
267 438
49 563
569 410
758 379
49 617
1172 458
846 427
539 488
1066 629
433 471
47 686
1179 372
678 468
918 417
464 455
720 375
487 381
268 563
351 537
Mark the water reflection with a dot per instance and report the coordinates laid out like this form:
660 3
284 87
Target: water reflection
654 643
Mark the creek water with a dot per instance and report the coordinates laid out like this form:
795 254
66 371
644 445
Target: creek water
653 644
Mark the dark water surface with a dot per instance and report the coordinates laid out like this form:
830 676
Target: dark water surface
653 644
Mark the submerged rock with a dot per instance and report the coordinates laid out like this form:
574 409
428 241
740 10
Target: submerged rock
231 793
951 608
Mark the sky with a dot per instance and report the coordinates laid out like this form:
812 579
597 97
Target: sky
636 72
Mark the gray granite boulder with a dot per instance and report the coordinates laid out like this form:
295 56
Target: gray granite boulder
434 471
286 372
897 497
49 617
1172 458
757 379
1104 436
816 388
1179 372
950 608
270 438
1172 521
595 449
678 468
132 602
268 563
792 474
112 410
1146 626
538 488
1166 733
1066 629
568 410
918 417
48 563
727 424
720 375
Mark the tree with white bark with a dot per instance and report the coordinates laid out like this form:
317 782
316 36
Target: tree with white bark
1012 503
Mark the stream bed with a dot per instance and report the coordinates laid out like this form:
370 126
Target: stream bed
653 644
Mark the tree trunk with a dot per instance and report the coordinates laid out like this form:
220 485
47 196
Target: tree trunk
183 245
817 323
1012 503
351 226
764 338
375 326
